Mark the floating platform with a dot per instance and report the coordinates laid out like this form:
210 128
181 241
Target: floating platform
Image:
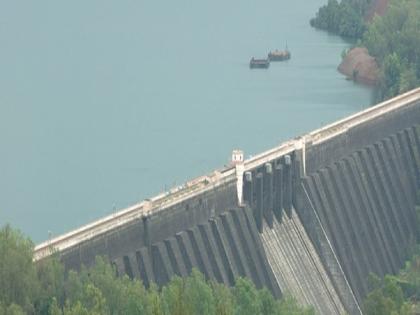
259 63
279 55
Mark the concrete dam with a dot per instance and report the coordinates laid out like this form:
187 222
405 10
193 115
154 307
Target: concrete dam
312 217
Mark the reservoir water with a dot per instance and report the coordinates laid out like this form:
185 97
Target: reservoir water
105 103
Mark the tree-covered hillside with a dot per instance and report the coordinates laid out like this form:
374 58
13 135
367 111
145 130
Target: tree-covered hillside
345 18
395 295
393 39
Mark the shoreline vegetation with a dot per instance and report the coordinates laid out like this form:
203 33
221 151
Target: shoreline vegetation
387 35
47 288
397 294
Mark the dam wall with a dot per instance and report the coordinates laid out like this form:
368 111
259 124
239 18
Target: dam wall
354 187
328 145
149 227
223 248
361 187
312 217
360 211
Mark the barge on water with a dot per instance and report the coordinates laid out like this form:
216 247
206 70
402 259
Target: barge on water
259 63
279 55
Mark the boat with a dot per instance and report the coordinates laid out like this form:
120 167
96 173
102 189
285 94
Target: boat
259 63
279 55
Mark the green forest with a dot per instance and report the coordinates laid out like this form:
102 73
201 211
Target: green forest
393 39
46 288
395 295
345 18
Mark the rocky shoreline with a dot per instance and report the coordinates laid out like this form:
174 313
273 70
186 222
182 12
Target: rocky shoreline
358 65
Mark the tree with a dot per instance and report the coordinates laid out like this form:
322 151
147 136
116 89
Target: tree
351 24
50 274
154 305
54 308
76 309
246 298
94 300
288 306
377 304
103 276
135 297
199 294
390 75
374 39
392 290
73 288
223 299
408 79
345 18
18 282
173 298
268 304
387 299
